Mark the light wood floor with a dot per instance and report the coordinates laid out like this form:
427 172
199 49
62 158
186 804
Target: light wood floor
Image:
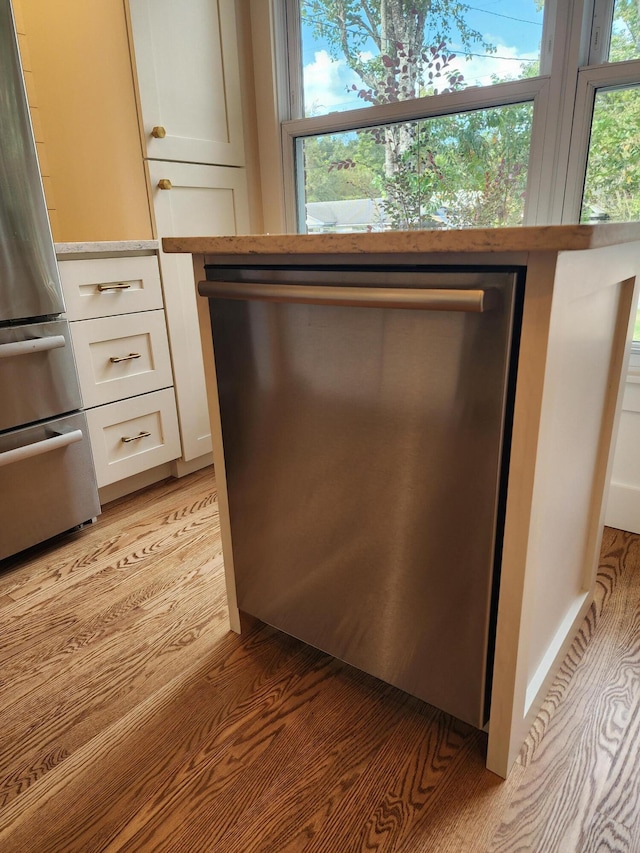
131 719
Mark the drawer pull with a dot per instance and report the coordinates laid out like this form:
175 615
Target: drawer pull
117 285
158 132
127 439
164 184
31 345
28 451
116 359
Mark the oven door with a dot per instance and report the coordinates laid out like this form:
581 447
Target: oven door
38 377
47 482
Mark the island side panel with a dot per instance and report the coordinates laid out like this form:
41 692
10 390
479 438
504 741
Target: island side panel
588 338
211 382
510 675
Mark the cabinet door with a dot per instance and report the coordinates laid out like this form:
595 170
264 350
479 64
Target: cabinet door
203 200
186 56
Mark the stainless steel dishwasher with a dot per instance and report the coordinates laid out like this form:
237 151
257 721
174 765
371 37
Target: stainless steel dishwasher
364 419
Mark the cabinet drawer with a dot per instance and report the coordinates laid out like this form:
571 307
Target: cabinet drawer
121 357
133 435
102 287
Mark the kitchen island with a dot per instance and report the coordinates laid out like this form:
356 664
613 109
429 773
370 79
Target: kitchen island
573 341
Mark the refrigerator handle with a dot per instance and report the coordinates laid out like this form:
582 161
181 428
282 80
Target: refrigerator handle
28 451
432 299
32 345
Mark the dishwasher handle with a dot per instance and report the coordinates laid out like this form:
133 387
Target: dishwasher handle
431 299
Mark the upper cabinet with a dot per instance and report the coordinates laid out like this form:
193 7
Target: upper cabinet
188 80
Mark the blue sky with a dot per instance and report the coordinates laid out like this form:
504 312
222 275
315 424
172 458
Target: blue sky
513 26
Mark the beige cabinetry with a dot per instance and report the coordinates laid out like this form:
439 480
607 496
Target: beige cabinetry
188 80
117 319
131 94
202 199
187 70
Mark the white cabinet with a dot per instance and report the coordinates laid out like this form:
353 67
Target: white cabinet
119 335
202 200
188 80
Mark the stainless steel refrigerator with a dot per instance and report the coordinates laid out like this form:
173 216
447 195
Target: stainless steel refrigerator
47 479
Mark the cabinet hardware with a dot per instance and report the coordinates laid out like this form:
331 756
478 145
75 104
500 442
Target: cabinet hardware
117 285
115 359
164 184
158 132
126 439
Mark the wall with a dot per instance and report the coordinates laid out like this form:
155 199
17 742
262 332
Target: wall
83 85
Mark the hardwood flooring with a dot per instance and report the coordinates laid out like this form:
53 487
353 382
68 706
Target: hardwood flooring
132 719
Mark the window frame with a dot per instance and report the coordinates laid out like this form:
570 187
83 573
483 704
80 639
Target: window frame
575 37
502 94
562 44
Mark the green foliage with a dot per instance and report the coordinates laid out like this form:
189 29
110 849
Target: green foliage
612 184
462 170
325 181
465 170
625 38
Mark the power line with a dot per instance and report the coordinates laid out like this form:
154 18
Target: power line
495 56
500 15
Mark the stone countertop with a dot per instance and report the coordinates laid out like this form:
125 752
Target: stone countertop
108 248
539 238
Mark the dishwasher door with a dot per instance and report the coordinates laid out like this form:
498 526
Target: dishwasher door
363 417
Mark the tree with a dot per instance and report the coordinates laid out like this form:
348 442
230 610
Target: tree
403 63
397 31
342 166
467 169
612 186
625 38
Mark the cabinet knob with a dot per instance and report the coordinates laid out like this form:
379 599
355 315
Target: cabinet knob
164 184
158 132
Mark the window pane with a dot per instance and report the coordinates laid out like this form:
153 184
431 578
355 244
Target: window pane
462 171
361 52
625 32
612 184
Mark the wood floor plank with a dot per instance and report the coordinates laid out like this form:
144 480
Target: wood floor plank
170 736
575 763
90 696
132 720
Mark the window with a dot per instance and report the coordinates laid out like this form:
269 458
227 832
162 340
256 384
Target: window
612 182
412 115
358 53
625 31
456 114
462 170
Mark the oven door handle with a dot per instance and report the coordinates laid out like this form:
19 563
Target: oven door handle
32 345
426 299
28 451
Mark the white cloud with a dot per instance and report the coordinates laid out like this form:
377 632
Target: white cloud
326 82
